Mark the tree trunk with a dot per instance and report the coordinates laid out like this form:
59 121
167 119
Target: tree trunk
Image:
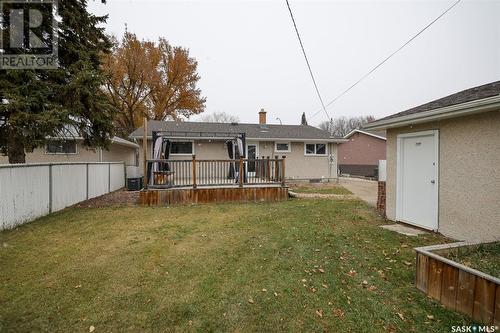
16 150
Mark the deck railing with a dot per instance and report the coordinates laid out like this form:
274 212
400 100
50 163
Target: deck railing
231 172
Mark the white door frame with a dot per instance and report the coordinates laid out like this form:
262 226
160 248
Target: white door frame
399 174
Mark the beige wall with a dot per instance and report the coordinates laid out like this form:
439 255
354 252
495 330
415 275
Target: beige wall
298 166
116 153
469 175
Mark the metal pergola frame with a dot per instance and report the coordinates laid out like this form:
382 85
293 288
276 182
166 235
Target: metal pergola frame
199 135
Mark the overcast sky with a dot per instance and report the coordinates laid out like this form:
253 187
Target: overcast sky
249 57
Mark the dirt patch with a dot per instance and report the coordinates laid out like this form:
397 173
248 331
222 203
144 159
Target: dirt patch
117 198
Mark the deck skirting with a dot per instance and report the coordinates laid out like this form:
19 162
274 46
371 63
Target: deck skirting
167 197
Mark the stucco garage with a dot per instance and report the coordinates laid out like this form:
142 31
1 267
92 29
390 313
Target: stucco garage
443 161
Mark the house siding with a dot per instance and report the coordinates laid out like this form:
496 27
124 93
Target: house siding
298 166
360 155
469 177
116 153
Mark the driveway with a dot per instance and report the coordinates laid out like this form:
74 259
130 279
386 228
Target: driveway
365 190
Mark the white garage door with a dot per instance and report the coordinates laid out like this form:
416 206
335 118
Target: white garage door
417 179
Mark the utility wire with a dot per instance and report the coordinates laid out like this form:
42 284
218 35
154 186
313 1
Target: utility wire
307 61
390 56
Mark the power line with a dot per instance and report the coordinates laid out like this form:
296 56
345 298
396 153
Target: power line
307 60
390 56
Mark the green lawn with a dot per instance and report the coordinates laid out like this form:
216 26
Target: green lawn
300 265
322 190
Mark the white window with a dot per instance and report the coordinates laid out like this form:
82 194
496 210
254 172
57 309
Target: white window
181 148
61 147
282 147
315 149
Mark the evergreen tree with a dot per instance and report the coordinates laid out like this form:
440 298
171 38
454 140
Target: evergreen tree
303 120
42 103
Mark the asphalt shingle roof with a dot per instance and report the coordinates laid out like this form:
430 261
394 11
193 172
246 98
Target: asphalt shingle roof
253 131
468 95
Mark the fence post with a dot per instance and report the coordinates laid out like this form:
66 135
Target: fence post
109 177
241 172
194 171
50 188
87 180
283 172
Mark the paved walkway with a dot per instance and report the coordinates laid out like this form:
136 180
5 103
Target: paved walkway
365 190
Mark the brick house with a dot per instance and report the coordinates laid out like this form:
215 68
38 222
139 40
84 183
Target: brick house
359 156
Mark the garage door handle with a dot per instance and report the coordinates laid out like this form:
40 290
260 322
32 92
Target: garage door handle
433 181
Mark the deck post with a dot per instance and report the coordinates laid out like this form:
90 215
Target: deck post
283 172
145 151
194 171
268 169
240 173
276 168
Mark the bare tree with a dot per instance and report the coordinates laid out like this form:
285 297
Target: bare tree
325 125
219 117
342 126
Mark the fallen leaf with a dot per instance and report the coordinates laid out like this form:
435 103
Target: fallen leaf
430 317
372 288
190 323
407 263
400 315
352 273
324 285
321 270
264 289
319 313
91 329
250 300
338 313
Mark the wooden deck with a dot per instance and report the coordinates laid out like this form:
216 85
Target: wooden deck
189 195
456 286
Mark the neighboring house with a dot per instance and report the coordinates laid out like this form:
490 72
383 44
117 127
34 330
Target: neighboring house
443 164
71 149
359 156
310 152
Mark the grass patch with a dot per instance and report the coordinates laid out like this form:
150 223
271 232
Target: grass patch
322 190
483 257
300 265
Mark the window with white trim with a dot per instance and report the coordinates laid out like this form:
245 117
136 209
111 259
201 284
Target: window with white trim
181 148
61 147
315 149
282 147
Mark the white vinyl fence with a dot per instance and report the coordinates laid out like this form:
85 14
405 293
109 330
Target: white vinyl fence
28 191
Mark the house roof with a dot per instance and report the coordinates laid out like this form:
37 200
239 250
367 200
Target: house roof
375 134
123 142
71 133
193 130
447 107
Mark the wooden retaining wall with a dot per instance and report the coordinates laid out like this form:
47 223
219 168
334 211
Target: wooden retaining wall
167 197
458 287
